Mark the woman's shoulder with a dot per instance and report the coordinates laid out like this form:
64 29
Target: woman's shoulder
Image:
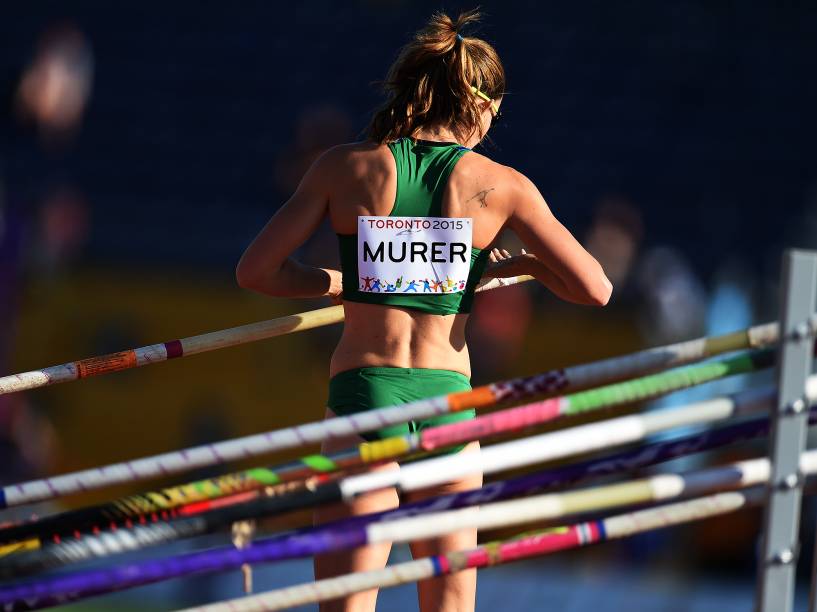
353 150
361 156
475 173
478 164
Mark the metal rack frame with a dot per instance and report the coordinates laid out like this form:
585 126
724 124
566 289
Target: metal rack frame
787 439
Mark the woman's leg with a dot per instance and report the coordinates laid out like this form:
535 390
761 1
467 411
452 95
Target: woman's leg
359 559
455 592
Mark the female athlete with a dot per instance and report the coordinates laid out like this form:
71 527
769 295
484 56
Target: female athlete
416 212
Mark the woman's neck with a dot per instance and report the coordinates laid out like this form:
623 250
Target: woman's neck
436 134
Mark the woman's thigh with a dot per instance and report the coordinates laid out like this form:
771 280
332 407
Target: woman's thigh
455 592
359 559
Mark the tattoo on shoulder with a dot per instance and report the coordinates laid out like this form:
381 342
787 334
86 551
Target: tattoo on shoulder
481 197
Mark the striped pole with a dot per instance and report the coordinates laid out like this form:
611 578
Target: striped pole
488 516
134 358
525 546
434 438
59 553
258 444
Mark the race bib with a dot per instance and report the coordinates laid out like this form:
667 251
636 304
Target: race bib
413 254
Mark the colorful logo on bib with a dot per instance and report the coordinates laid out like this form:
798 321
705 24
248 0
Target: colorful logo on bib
370 284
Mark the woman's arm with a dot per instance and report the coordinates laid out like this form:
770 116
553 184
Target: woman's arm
266 265
555 257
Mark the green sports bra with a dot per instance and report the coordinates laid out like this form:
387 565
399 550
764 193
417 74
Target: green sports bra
423 168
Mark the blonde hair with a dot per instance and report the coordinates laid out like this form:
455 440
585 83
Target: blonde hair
430 81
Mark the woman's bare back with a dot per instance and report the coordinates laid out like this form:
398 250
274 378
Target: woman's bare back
376 335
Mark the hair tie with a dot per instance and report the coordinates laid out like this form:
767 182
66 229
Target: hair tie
459 37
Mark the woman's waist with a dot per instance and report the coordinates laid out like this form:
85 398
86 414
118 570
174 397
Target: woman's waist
369 352
375 335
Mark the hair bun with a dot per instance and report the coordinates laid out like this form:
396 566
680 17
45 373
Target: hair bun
430 82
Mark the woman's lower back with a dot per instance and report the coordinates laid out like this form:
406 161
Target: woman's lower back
375 335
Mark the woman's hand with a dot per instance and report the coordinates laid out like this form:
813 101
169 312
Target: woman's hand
335 291
504 265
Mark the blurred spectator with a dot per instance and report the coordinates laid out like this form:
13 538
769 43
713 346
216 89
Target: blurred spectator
35 438
499 323
63 229
55 87
729 309
614 238
731 305
674 300
497 329
317 128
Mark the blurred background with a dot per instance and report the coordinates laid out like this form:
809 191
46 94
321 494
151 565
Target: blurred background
143 145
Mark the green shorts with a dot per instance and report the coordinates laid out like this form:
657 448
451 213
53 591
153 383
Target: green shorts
364 389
